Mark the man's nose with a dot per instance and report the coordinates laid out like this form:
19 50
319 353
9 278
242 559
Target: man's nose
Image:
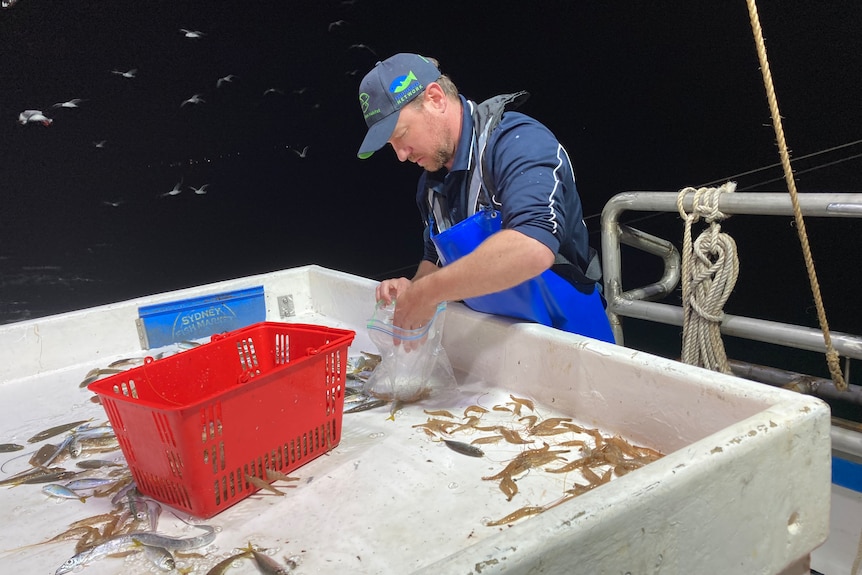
402 153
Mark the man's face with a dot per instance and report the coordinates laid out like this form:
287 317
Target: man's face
422 137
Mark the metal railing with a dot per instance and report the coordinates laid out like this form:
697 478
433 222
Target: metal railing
641 302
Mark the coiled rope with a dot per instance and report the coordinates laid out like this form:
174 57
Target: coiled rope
710 268
832 358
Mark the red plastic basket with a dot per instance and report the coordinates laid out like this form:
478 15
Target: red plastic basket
193 425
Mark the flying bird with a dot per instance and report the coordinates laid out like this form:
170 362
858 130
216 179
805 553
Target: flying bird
129 74
196 99
272 91
177 189
223 79
31 116
362 47
73 103
301 154
192 33
100 143
113 204
201 190
336 24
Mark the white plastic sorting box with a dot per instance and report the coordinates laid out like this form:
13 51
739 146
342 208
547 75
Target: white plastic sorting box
744 486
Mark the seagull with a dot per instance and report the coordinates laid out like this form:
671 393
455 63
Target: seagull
272 91
31 116
336 24
177 189
73 103
130 74
100 143
300 91
201 190
196 99
223 79
303 153
363 46
192 33
353 72
113 204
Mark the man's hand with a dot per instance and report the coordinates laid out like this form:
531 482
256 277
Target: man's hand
388 290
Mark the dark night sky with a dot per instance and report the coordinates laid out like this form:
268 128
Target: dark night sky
645 95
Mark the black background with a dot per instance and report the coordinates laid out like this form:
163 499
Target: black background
645 96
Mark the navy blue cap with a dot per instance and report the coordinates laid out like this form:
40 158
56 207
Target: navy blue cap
387 88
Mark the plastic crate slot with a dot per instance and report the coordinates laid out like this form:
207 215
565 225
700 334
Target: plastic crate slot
128 449
175 463
221 454
247 356
163 426
113 415
282 349
217 491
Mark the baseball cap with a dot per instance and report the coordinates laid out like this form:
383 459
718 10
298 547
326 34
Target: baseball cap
387 88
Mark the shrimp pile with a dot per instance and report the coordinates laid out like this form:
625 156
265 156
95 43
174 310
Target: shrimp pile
553 445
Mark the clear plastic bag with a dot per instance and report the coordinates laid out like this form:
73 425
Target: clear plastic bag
408 373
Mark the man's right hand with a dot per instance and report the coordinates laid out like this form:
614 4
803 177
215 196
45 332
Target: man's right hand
389 290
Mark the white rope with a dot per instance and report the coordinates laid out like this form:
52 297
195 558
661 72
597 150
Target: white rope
710 267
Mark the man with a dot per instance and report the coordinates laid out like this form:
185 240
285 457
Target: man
498 197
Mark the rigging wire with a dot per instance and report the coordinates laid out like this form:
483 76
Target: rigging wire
755 171
399 270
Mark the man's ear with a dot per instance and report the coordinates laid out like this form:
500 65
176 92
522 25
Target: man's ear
435 97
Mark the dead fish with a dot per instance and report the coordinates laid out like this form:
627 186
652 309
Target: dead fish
261 484
126 362
62 492
98 373
10 447
366 406
158 556
270 566
464 448
97 464
56 430
89 483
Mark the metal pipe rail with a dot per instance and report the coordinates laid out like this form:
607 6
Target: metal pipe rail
640 303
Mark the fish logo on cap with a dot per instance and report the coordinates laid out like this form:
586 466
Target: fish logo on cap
401 83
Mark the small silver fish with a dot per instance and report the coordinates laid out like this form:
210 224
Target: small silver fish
221 567
270 566
10 447
366 406
464 448
129 541
97 464
89 483
63 492
56 430
158 556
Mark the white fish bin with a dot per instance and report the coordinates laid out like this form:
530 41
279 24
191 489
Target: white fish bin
742 483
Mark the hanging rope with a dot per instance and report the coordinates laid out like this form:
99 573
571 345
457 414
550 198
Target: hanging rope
710 268
832 358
